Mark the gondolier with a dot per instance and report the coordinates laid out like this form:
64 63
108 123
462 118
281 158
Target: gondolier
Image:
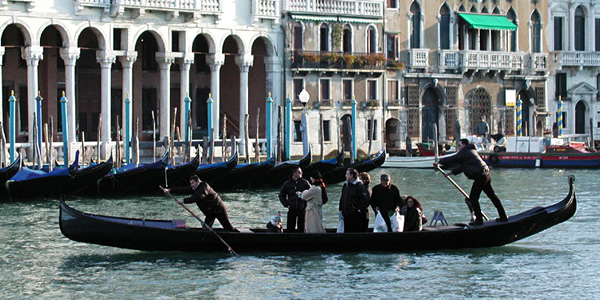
207 199
474 168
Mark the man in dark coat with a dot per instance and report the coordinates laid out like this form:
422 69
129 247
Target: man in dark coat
474 168
288 196
354 202
207 199
386 198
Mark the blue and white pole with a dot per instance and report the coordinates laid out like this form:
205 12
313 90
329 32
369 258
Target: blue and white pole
127 128
63 109
353 128
559 117
269 124
288 127
519 117
12 123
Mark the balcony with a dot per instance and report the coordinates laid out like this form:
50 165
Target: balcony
365 8
265 10
578 59
193 8
539 62
462 61
418 59
338 61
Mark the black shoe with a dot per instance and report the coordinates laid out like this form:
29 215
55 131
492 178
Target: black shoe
476 223
502 219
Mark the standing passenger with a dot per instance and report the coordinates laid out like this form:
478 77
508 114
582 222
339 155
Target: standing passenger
289 198
315 197
385 199
365 178
353 202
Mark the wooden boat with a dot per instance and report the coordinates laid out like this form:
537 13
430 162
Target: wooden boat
87 177
29 183
176 173
570 155
275 176
242 175
9 171
325 166
215 170
175 235
130 179
366 165
414 162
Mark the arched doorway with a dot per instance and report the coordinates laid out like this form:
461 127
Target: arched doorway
88 89
347 132
201 80
229 96
580 117
257 85
430 116
392 133
480 107
14 73
147 85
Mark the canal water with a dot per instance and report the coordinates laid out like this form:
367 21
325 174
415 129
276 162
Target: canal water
38 262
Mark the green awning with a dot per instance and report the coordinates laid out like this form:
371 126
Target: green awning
494 22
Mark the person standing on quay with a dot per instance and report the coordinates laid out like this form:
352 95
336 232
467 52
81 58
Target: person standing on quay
474 168
288 196
353 202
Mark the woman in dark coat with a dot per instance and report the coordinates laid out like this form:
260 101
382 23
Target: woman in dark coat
413 214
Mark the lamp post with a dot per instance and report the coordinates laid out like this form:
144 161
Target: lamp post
304 96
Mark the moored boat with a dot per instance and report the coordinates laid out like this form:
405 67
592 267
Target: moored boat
366 165
242 175
215 170
9 171
275 176
325 166
414 162
176 235
29 183
88 176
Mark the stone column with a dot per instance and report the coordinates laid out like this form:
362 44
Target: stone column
165 61
70 57
127 63
244 62
105 59
215 61
32 55
186 64
1 90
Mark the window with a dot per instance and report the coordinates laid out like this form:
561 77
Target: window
415 24
392 91
326 130
372 89
347 85
445 27
298 36
347 39
297 131
324 37
175 41
374 132
512 16
483 39
392 4
325 90
117 39
579 29
558 33
598 85
298 86
597 37
392 46
536 32
371 40
561 85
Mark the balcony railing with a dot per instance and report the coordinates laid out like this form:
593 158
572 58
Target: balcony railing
174 7
418 59
575 58
338 60
337 7
482 60
265 10
539 62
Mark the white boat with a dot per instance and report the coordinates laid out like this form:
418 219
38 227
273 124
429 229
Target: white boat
416 162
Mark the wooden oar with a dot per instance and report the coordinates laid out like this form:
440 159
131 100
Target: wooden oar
467 200
201 222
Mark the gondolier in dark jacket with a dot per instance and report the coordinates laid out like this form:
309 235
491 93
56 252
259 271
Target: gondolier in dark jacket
354 203
476 169
289 197
207 199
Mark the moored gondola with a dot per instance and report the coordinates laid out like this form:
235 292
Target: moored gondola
175 235
215 170
87 177
242 175
9 171
325 166
30 184
366 165
280 172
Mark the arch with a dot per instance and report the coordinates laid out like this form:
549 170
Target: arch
444 27
87 75
227 43
580 119
484 10
158 38
392 133
371 39
347 38
298 36
61 28
511 15
496 10
99 35
23 28
430 113
473 9
536 32
462 8
324 33
580 24
269 45
415 25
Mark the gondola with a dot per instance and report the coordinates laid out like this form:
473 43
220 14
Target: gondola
366 165
325 166
87 177
129 179
215 170
280 172
242 175
176 235
29 183
9 171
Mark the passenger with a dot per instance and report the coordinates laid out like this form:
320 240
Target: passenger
353 202
365 178
208 202
275 225
474 168
386 199
413 214
315 197
288 198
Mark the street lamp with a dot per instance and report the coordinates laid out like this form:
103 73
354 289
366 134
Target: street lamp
304 96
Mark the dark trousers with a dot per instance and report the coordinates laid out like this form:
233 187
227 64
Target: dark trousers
220 214
364 221
353 222
386 217
483 183
294 215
